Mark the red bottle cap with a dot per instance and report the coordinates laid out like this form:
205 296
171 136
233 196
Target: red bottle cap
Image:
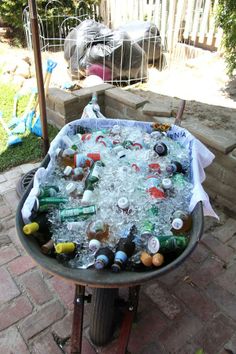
156 193
86 136
154 167
95 156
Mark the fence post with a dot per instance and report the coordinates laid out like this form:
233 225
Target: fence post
170 24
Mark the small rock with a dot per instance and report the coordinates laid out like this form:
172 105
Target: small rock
23 69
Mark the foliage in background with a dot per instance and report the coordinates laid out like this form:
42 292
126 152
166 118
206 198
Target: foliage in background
226 19
11 12
31 148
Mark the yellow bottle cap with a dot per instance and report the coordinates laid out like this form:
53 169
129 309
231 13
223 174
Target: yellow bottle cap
29 229
146 259
65 247
157 259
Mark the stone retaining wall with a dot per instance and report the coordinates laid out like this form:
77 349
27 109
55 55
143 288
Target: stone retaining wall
64 107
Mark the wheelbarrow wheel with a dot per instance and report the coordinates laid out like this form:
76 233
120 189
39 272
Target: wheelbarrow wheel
102 316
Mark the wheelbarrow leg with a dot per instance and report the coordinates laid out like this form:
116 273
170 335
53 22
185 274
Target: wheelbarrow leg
77 324
128 319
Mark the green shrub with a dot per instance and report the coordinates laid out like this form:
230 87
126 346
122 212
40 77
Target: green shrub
11 12
226 19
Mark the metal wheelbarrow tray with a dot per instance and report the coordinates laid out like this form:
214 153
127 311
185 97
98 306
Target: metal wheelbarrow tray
105 282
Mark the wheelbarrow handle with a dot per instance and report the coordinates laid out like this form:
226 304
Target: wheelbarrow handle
180 113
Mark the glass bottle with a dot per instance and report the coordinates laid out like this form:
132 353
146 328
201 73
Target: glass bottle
103 258
124 250
161 149
98 230
181 222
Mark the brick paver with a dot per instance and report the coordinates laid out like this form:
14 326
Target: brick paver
36 287
8 289
14 311
189 308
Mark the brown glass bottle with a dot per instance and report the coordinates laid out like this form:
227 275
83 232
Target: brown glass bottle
124 250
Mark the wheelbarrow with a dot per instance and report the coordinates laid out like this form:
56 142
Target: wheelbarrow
105 284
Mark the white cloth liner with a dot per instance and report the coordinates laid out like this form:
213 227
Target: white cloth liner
200 155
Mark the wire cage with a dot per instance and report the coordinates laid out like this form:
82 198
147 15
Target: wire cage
121 56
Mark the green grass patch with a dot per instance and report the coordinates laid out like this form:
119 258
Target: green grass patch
31 149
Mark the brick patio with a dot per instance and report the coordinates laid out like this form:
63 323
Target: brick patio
190 308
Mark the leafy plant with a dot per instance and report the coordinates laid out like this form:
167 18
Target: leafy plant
11 12
226 19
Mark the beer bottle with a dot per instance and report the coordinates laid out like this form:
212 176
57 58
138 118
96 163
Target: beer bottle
103 258
124 250
181 222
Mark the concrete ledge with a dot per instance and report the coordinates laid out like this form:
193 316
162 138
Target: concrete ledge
160 110
88 91
125 97
221 140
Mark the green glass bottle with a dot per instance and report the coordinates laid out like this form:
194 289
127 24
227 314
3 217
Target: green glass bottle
167 244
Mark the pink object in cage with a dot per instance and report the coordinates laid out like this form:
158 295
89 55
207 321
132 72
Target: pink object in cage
100 70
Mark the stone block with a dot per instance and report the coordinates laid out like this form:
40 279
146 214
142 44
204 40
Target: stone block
181 330
15 311
230 346
227 279
65 290
166 302
21 265
36 287
222 190
206 273
8 289
7 253
55 118
43 318
164 120
223 251
12 342
88 91
228 206
203 307
2 178
219 139
45 344
159 109
125 97
220 332
4 240
225 232
223 298
228 161
112 113
219 172
116 105
63 327
12 199
57 98
137 114
4 210
13 173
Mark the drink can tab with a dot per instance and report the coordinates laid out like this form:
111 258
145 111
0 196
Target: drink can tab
153 244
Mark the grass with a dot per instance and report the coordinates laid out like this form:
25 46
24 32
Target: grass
31 149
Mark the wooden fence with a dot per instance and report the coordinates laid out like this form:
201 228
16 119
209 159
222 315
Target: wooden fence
186 21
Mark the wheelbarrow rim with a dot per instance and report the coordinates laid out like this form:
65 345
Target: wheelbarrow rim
103 279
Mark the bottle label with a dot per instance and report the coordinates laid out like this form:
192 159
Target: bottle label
77 212
103 260
121 256
96 172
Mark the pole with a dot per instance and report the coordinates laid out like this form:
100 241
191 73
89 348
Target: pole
39 72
